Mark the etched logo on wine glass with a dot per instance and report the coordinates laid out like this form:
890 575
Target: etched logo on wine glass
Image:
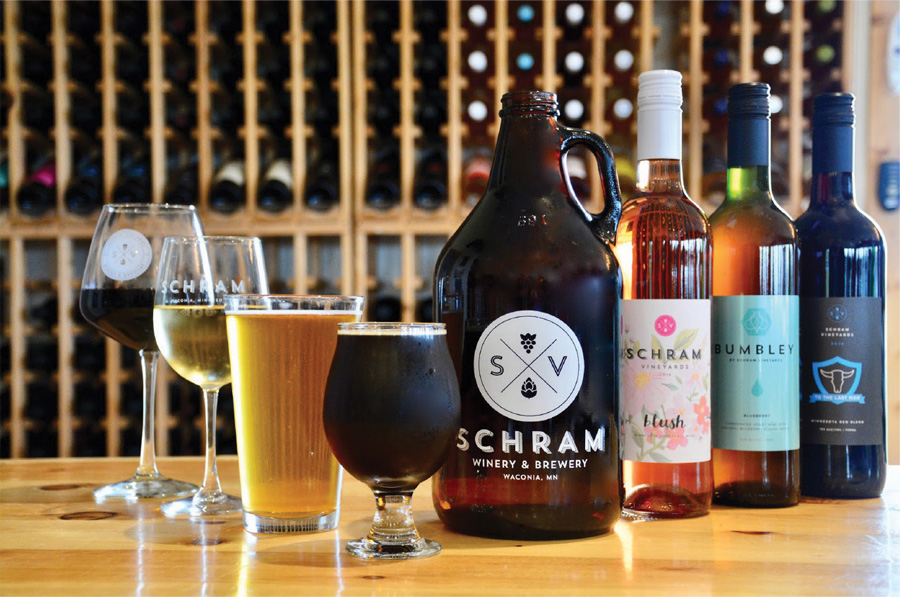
529 366
126 255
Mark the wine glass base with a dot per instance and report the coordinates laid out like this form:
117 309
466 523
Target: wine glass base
220 504
141 487
368 549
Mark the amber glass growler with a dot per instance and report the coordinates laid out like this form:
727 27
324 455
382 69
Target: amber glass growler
529 289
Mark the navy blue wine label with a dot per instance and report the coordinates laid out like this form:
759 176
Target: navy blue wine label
842 371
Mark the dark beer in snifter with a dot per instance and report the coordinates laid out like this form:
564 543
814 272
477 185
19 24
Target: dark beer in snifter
528 288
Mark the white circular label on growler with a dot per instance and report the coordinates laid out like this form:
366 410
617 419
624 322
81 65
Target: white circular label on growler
126 255
529 365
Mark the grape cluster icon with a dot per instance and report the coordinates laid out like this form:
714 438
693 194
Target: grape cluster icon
528 342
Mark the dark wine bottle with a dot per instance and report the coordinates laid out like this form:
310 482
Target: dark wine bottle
273 107
42 354
37 108
225 67
86 113
90 400
273 62
84 60
84 195
755 315
383 19
430 184
227 192
322 70
432 65
182 186
842 333
90 353
276 187
178 19
384 67
432 114
431 19
133 181
37 61
384 113
42 404
321 21
181 109
36 21
383 186
321 192
132 61
180 66
131 18
37 196
322 113
273 19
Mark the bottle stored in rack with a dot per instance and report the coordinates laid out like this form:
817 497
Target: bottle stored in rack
382 188
276 187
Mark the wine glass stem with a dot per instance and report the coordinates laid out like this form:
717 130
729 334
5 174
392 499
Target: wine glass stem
147 466
211 484
393 522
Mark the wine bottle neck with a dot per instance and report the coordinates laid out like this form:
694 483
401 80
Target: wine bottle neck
831 189
749 157
832 167
660 176
750 182
659 133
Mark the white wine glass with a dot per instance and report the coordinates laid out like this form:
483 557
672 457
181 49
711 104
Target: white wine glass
117 293
195 274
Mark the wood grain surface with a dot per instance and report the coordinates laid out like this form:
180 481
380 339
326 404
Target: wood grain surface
55 540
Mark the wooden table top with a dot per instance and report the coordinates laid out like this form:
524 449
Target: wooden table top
54 539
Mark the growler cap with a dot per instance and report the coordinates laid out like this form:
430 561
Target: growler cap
659 88
748 100
833 109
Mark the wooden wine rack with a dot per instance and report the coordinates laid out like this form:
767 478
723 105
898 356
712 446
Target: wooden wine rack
353 248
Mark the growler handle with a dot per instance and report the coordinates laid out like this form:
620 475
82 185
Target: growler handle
603 224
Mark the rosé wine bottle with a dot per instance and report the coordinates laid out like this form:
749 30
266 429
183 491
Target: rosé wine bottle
663 246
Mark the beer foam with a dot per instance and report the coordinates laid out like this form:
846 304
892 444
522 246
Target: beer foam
264 312
412 329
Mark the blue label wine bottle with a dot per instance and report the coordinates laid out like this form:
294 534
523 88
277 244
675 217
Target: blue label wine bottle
755 313
842 350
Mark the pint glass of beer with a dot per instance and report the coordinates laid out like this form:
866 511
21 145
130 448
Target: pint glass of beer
281 349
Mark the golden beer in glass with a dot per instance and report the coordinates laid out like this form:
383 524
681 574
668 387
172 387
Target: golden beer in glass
281 349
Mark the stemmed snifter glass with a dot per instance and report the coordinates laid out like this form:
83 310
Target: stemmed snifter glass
195 274
391 415
117 293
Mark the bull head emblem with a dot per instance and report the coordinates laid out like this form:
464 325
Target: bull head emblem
836 372
837 377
